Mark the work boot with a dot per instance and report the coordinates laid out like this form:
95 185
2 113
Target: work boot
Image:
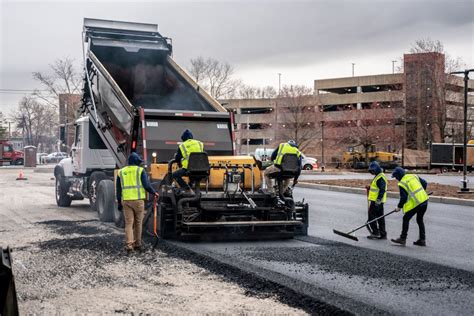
420 242
373 236
399 241
383 237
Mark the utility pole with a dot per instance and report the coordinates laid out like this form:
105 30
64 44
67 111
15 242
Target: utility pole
353 64
279 84
466 72
393 66
322 146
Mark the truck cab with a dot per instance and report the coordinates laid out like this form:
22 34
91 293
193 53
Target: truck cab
8 154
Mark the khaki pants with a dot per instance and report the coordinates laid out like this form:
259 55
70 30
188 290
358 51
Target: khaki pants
133 211
269 182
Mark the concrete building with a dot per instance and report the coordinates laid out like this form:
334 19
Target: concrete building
418 106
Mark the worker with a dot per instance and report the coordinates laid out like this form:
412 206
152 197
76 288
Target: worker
188 146
289 147
377 197
131 183
413 200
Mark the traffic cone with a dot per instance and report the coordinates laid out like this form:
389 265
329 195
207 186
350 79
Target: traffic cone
21 175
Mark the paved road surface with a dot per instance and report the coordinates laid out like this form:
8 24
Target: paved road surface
368 277
451 179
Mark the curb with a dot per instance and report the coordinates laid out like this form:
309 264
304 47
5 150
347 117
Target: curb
336 188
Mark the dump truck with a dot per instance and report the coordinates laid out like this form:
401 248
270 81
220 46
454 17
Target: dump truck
136 98
10 155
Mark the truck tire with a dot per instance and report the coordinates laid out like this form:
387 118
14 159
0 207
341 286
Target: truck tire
94 181
119 220
62 188
105 200
18 162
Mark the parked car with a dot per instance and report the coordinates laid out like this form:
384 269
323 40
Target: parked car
40 158
262 155
55 157
309 163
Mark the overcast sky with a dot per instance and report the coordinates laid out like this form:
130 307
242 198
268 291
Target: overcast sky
303 40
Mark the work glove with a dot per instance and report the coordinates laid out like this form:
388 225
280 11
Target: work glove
378 202
157 195
120 207
397 209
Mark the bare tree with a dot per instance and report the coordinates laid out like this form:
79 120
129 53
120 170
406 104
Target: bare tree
62 78
298 116
253 92
3 130
37 121
428 45
214 76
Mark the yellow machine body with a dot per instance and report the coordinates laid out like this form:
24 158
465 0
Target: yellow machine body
218 168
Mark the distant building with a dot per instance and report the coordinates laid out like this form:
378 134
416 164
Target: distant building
68 107
351 110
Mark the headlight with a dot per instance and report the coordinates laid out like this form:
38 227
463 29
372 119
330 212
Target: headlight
153 154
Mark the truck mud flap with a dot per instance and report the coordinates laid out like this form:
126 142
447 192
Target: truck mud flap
8 299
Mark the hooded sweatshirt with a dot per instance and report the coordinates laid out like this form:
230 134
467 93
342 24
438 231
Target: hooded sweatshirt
399 173
184 137
134 160
380 183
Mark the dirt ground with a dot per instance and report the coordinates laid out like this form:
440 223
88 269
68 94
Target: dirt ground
67 262
436 188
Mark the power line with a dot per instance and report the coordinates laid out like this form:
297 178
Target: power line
24 90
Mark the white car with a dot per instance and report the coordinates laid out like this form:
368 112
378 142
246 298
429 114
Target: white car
309 163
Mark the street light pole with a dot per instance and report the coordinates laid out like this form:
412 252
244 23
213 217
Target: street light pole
466 72
279 84
393 66
353 64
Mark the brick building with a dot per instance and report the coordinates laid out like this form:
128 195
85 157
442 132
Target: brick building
418 106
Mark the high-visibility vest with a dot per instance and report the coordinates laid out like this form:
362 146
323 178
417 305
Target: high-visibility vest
188 147
374 189
285 148
130 180
416 194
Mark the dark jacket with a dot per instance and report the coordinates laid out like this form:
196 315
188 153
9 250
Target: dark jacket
184 137
398 174
275 154
134 160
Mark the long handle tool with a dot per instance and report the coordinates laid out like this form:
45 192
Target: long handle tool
348 235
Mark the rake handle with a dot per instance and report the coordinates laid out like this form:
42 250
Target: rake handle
375 219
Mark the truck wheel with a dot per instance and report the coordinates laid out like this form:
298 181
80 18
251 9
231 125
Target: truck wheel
18 162
94 181
62 187
119 220
105 200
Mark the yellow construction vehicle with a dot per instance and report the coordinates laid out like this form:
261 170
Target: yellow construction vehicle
357 160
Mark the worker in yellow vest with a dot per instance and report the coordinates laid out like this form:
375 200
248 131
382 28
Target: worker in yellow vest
188 146
413 200
289 147
131 183
377 198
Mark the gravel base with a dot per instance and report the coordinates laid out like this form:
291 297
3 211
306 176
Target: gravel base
80 267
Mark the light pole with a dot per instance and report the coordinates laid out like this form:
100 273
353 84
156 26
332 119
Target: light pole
279 84
322 146
393 66
466 72
353 64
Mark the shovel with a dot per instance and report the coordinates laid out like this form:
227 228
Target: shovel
348 235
